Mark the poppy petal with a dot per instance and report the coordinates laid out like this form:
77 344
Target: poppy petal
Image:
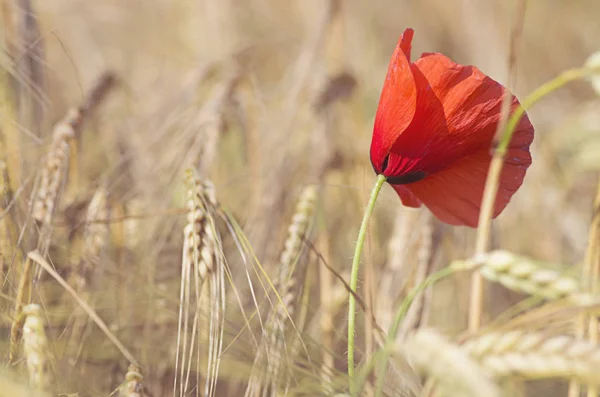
397 103
407 197
458 110
454 195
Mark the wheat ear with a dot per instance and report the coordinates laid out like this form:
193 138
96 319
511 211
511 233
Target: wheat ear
35 347
450 367
50 186
95 236
54 172
202 253
534 355
522 274
267 363
133 386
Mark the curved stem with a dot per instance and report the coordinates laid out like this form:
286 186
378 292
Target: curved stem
401 313
493 180
362 234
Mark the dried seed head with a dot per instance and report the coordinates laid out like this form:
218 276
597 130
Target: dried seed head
523 275
54 173
35 346
536 356
96 233
292 249
133 386
454 372
594 62
200 244
94 237
297 231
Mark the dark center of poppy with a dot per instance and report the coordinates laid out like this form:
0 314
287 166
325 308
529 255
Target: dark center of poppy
407 178
401 179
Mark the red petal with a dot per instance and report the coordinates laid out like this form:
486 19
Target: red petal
407 197
454 194
458 110
397 103
405 42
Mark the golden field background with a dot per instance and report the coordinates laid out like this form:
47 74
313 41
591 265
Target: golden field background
264 98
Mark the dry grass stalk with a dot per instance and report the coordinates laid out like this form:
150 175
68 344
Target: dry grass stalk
417 314
21 297
36 350
8 225
266 371
523 275
29 66
35 257
452 370
54 173
592 261
133 386
328 310
492 182
95 237
211 121
590 278
272 190
51 184
536 356
402 244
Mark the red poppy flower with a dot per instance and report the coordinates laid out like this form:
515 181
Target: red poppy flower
433 133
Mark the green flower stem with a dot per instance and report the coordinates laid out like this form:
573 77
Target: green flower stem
493 179
401 313
362 234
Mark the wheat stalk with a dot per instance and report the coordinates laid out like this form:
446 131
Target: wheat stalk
35 348
51 184
95 237
267 363
55 168
450 367
54 172
29 65
20 299
536 356
202 254
522 274
8 223
592 271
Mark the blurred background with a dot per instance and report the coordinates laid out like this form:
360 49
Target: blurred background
265 98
